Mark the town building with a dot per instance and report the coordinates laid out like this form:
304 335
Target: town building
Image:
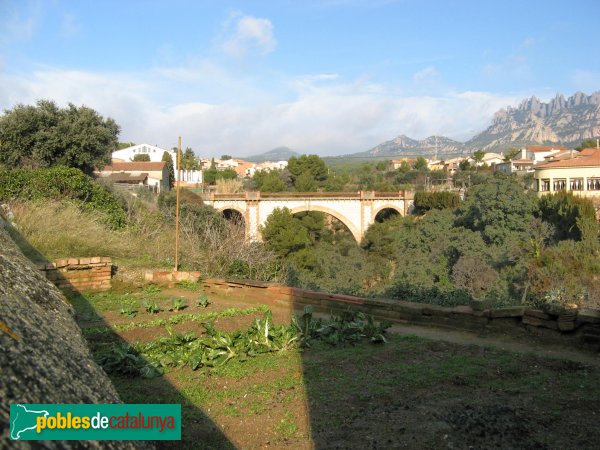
153 175
539 153
529 157
395 164
516 166
244 168
156 154
492 159
577 172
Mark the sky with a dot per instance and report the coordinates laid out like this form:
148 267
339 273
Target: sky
319 76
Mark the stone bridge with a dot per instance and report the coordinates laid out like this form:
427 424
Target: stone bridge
356 210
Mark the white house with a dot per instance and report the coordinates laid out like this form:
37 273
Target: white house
156 153
492 159
578 173
539 153
138 173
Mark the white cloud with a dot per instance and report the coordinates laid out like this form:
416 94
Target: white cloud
428 74
70 26
248 34
326 118
15 26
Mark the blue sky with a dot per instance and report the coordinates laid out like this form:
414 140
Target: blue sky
327 77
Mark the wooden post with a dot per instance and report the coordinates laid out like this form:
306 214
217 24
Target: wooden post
177 181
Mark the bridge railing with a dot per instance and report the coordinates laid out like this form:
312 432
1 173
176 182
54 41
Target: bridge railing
297 195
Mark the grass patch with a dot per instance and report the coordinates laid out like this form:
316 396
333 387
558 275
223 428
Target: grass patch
287 425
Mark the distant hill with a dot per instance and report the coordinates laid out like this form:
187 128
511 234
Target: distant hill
561 121
405 146
277 154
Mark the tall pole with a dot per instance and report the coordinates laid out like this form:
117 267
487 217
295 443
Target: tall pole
177 182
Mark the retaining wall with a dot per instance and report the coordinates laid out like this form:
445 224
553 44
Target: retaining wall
82 274
579 327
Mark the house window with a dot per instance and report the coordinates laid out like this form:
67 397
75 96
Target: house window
559 184
545 185
593 184
576 184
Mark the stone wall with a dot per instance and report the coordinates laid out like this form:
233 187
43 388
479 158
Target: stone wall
44 357
577 327
82 274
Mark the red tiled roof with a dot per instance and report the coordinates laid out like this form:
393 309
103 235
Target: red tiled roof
135 166
590 157
544 148
562 155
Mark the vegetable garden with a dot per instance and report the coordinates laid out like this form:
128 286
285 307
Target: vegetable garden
250 375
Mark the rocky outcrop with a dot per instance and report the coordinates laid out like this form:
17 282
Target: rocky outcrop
44 358
560 121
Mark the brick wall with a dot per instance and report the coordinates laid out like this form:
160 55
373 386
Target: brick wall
82 274
578 327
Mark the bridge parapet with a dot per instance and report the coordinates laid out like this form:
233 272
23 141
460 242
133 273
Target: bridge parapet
256 195
357 210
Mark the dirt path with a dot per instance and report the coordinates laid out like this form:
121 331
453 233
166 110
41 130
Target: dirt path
502 342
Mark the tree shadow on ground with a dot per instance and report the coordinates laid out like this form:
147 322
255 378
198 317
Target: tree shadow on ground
198 431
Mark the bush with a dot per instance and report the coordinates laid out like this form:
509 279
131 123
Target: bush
425 201
59 183
568 214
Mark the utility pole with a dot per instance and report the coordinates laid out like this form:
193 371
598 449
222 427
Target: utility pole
177 181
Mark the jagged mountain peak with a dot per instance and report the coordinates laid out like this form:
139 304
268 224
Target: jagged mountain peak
562 121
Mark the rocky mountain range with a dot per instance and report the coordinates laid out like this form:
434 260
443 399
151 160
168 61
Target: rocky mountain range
560 121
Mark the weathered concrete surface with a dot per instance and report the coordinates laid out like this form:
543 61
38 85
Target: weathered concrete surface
43 357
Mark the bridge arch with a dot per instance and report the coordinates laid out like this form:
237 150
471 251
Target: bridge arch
388 206
380 209
236 215
332 212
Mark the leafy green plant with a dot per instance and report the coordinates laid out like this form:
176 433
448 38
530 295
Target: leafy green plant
350 327
128 309
123 359
178 304
203 301
306 325
151 307
215 348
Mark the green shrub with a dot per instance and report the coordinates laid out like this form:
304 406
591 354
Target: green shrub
60 183
425 201
569 214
